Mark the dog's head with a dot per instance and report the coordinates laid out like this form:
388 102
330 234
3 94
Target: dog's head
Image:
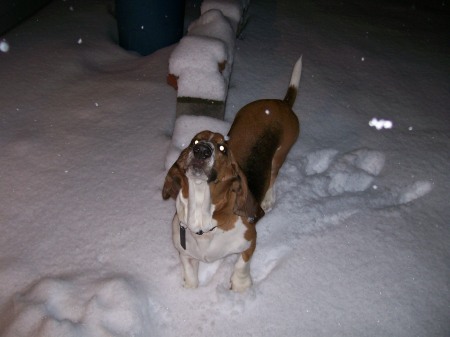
208 159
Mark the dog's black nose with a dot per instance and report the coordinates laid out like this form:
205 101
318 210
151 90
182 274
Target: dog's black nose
200 232
202 151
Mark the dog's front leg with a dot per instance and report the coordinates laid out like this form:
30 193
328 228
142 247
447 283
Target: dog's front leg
190 271
241 279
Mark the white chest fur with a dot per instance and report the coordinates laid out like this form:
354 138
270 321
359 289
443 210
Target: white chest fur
195 212
213 245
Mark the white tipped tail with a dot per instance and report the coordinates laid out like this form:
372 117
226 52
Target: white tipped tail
291 94
296 73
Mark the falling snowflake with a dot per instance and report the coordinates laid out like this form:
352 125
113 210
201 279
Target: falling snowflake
380 124
4 46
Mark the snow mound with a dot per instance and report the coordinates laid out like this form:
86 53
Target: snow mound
209 85
332 187
318 161
232 9
71 307
199 53
349 181
214 24
187 127
195 62
355 171
202 61
415 191
370 161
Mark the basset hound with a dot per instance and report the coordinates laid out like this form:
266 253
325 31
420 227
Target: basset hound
223 185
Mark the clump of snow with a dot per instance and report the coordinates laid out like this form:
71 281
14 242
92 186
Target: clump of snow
366 159
415 191
186 127
77 307
336 186
197 53
352 172
232 9
380 124
319 161
209 85
355 171
214 24
345 181
195 61
202 60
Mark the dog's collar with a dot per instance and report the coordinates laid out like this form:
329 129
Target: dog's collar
183 234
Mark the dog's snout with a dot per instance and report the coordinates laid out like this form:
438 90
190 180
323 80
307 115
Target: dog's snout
202 151
200 232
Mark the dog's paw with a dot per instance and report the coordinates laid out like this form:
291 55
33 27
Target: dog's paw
190 271
190 284
269 200
240 283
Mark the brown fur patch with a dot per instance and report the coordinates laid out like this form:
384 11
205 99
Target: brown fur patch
250 235
176 179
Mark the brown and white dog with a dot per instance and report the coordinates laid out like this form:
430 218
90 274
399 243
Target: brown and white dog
222 185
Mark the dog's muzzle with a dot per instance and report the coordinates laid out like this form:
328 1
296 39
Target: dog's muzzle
201 160
202 151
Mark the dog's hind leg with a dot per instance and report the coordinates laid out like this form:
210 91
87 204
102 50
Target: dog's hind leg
277 161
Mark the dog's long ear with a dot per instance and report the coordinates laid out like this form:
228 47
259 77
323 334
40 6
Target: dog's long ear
246 204
176 178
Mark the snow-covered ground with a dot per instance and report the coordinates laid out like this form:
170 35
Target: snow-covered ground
358 243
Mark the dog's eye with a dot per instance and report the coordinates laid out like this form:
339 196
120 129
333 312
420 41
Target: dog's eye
223 149
196 142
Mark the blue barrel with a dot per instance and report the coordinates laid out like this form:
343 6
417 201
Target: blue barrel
148 25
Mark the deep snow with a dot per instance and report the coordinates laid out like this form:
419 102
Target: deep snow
357 243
